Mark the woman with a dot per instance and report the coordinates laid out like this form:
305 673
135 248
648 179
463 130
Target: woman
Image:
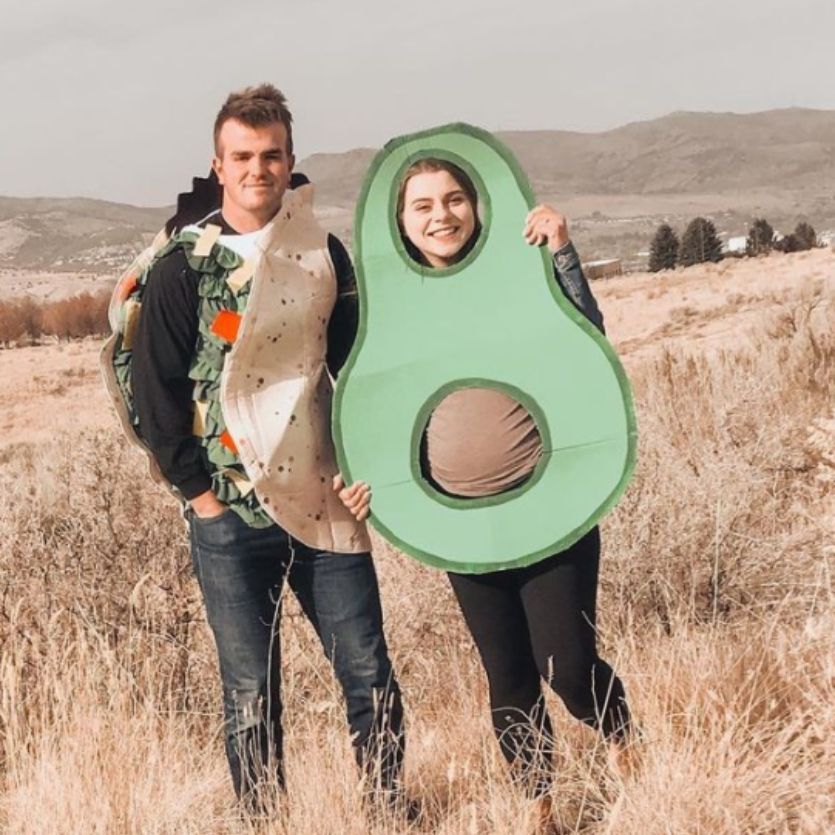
535 623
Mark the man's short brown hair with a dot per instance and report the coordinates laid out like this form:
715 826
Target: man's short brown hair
256 107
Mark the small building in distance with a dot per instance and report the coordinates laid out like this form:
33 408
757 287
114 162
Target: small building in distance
827 238
606 268
737 245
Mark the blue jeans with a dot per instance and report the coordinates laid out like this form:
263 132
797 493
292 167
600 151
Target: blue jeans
241 571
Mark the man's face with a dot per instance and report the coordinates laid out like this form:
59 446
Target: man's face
253 166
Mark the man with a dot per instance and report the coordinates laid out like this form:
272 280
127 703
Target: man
242 315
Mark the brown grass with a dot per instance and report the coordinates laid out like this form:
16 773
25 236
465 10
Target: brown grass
716 606
25 320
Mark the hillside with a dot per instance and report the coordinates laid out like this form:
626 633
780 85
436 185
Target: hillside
73 233
715 606
615 185
687 153
681 154
708 307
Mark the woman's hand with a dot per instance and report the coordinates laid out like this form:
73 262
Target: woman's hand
357 497
545 225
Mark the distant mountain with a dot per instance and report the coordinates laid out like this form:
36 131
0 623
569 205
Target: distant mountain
682 153
50 233
338 177
780 162
686 153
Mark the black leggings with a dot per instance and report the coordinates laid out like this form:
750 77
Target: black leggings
539 623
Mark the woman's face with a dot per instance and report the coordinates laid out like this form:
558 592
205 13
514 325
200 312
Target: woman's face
438 217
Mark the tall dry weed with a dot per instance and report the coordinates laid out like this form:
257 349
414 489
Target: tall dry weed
716 607
721 517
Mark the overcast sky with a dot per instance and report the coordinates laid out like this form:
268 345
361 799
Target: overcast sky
117 100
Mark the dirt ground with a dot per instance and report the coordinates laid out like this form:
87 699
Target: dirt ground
57 387
48 285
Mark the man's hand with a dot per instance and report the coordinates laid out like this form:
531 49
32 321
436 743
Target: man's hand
357 497
545 225
207 505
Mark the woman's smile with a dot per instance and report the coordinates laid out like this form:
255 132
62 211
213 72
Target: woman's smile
445 232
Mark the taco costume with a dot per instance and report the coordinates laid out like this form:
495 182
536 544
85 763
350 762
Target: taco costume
261 390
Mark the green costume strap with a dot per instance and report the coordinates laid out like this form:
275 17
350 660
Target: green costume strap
496 319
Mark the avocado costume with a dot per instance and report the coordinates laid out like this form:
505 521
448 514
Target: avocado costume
495 319
262 394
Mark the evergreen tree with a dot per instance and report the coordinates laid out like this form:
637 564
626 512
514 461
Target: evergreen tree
700 243
805 236
760 238
663 253
789 244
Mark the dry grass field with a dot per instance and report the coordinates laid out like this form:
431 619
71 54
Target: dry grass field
716 605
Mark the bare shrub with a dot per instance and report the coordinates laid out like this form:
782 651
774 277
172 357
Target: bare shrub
27 320
31 316
20 319
81 315
11 324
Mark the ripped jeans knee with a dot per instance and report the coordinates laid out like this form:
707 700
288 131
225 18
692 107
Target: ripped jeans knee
253 741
